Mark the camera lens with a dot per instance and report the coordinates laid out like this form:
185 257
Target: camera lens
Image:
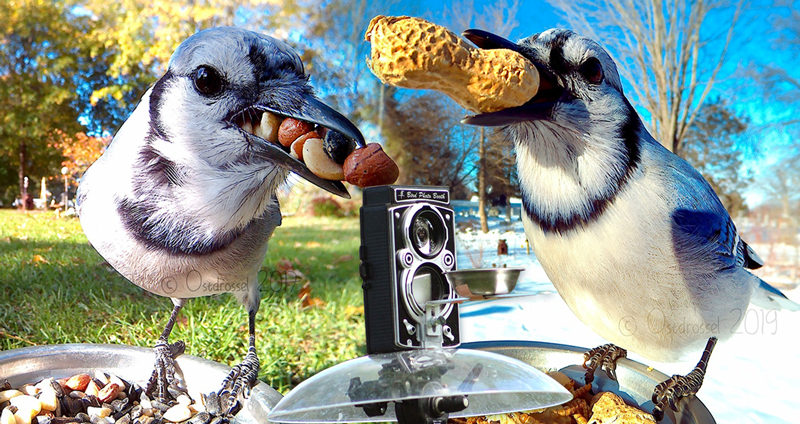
427 233
424 284
422 233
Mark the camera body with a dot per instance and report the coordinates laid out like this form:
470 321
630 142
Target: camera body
407 244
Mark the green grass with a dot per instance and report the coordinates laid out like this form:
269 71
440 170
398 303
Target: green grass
57 289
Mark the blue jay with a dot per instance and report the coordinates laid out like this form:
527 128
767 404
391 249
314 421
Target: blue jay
182 203
633 238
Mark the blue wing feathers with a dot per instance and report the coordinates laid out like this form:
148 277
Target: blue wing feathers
700 222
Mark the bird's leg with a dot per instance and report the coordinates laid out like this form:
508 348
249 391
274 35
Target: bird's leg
604 356
163 375
679 386
243 376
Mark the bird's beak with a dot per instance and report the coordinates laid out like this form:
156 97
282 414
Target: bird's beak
537 108
311 110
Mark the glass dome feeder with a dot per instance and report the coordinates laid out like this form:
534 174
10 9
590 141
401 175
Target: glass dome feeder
414 372
419 386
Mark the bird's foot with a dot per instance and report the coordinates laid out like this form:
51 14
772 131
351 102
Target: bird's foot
669 392
240 380
163 375
604 356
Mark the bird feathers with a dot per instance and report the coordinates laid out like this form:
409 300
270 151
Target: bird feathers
570 175
632 237
180 203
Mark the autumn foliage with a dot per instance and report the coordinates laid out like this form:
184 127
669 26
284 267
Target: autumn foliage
79 150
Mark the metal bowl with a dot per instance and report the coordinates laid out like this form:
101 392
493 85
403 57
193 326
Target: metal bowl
635 381
31 364
484 281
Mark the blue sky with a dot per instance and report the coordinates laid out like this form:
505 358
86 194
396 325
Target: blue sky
753 47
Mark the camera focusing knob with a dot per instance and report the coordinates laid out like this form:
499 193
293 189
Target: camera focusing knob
448 332
363 267
448 260
362 252
410 328
406 258
363 271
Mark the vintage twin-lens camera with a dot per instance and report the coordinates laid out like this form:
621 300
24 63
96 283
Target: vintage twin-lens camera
407 244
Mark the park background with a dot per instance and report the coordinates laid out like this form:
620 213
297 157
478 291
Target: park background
716 81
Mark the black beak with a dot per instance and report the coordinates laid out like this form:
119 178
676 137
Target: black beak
310 109
313 110
537 108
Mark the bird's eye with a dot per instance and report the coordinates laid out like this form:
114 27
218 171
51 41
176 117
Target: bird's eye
207 81
592 70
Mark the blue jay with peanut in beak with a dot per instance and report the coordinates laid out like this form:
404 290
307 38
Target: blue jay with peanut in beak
182 203
632 237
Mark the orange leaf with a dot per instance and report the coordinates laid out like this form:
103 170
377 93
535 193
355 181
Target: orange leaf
305 297
313 302
305 291
39 259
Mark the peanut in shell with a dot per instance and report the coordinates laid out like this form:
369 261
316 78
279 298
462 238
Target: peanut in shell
413 53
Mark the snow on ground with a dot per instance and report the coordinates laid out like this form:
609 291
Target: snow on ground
751 378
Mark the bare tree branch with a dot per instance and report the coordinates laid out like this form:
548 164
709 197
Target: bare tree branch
667 50
499 18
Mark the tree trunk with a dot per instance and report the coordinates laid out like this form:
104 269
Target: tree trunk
482 182
23 156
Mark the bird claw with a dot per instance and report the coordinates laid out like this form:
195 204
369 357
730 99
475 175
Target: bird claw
240 380
163 375
178 348
604 356
669 392
677 387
